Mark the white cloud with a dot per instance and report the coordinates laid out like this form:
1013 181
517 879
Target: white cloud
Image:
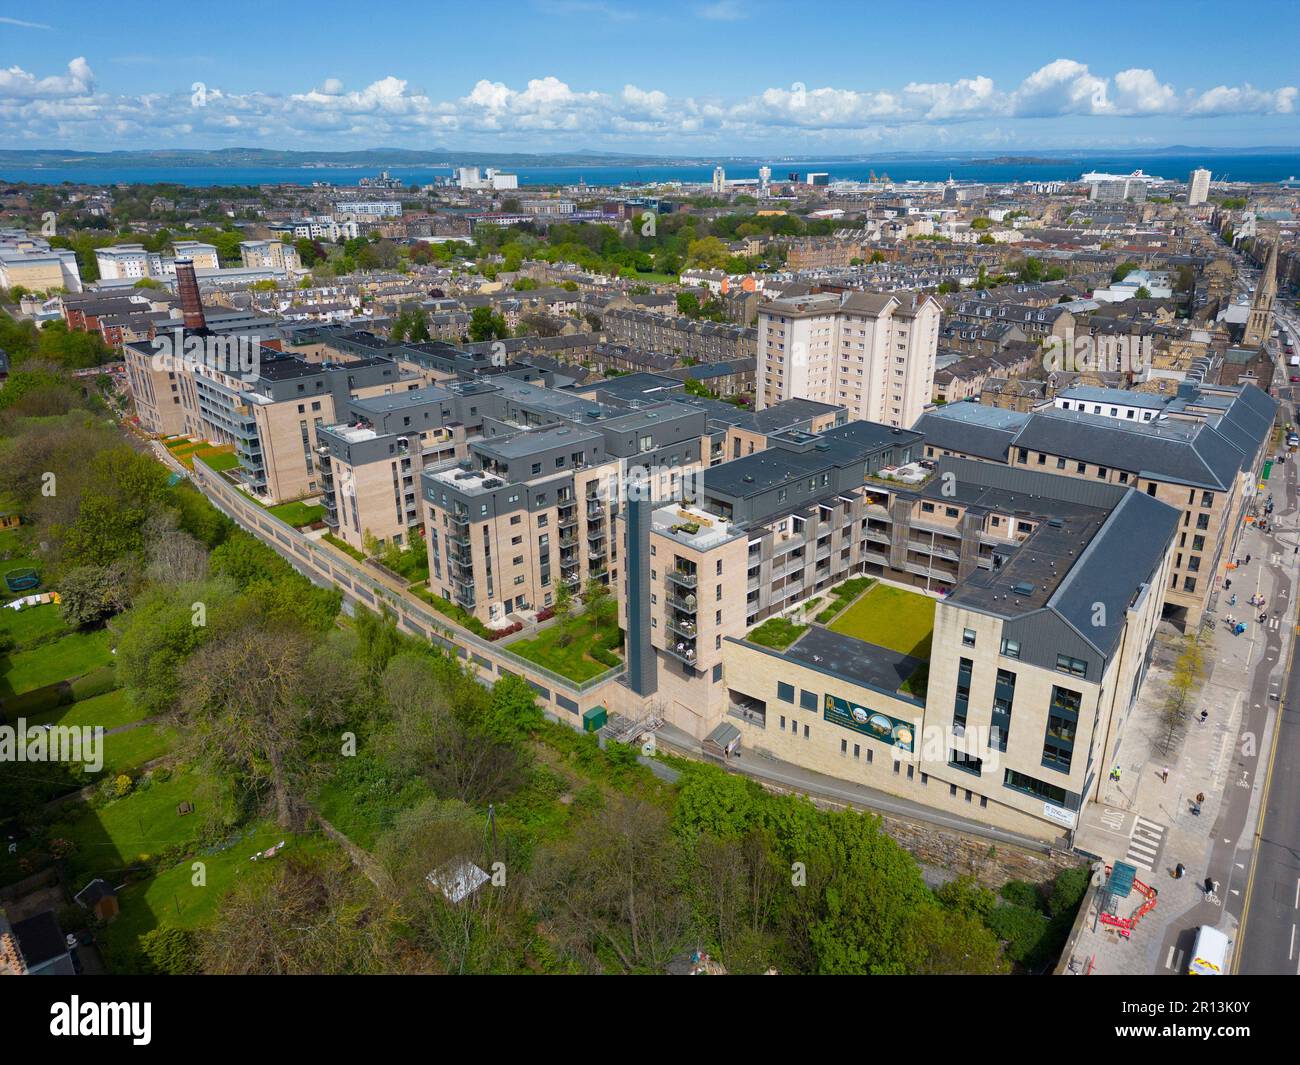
547 112
1246 100
1140 92
1062 87
22 24
19 84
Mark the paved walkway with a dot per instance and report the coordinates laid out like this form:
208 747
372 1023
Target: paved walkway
1146 819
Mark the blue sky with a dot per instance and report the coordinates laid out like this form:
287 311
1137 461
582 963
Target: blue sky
714 76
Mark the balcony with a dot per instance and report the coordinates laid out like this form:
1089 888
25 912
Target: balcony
682 628
686 606
683 578
681 651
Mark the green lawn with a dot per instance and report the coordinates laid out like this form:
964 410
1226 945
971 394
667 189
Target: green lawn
777 632
173 898
14 555
843 594
890 617
73 655
217 460
31 624
108 711
569 657
132 829
125 752
297 513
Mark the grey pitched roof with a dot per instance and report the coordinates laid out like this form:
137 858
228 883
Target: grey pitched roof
1121 557
1185 452
972 429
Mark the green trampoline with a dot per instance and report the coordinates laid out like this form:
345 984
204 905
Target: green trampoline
22 580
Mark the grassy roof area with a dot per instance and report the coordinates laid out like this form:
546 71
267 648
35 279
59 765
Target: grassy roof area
890 617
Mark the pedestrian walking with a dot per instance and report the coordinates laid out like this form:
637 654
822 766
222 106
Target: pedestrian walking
1204 715
1164 775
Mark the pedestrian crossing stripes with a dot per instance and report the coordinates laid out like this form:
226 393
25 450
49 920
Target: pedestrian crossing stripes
1144 843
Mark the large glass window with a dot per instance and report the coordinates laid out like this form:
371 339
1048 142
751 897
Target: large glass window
963 696
1032 786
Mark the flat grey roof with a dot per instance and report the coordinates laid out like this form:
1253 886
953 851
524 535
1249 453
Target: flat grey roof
854 659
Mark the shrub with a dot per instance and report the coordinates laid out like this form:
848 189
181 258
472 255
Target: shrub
1020 893
1024 932
1068 891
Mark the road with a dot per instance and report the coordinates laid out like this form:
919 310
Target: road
1269 941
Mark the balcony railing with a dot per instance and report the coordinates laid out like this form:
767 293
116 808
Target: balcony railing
687 579
680 604
683 628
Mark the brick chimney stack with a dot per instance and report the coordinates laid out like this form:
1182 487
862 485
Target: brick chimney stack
187 287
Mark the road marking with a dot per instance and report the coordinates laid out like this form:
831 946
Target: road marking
1169 961
1144 844
1113 819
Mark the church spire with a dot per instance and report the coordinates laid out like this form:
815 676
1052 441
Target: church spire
1259 326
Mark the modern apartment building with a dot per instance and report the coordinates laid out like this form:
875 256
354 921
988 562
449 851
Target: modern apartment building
370 462
873 353
532 503
1011 716
132 262
30 262
269 254
1198 187
1047 598
1200 452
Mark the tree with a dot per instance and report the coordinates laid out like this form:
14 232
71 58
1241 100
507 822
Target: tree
158 634
436 728
486 324
296 917
246 704
609 893
1143 293
688 304
90 594
1186 675
124 487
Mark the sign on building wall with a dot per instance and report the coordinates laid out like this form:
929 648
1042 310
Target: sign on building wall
882 727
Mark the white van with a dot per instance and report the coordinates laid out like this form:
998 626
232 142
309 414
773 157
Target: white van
1209 953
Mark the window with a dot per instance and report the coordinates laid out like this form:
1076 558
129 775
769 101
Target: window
1076 666
1004 694
968 637
784 692
1038 788
963 696
807 700
1011 648
967 763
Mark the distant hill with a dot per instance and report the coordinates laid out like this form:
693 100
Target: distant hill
372 157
